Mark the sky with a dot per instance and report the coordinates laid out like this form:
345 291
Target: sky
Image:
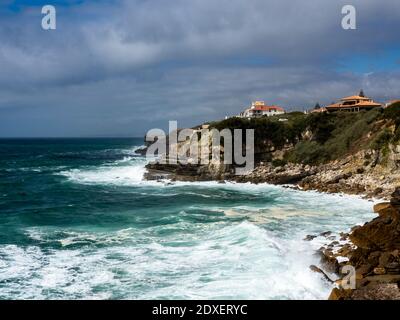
121 67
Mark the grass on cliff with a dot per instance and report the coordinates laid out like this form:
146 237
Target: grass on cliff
320 137
392 113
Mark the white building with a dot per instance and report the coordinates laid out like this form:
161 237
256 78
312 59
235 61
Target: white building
259 109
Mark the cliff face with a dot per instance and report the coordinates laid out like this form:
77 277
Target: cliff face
351 153
193 169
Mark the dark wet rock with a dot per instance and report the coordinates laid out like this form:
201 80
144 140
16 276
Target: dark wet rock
360 170
319 270
393 268
343 236
395 200
328 261
309 237
325 234
363 270
141 151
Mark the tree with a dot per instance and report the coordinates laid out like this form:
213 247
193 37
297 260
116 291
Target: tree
362 93
317 106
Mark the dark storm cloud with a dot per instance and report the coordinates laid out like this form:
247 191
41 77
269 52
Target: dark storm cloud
120 67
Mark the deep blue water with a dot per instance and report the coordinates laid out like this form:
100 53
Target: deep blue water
78 222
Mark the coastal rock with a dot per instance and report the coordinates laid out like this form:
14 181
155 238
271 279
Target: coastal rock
395 200
363 270
343 236
340 294
319 270
376 257
325 234
328 261
379 271
309 237
382 233
345 250
379 291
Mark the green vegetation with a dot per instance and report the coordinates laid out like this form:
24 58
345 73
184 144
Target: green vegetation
392 113
307 152
278 162
320 137
269 130
382 139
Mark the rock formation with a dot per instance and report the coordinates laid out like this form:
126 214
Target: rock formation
375 255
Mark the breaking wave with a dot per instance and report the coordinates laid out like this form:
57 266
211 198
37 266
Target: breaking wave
90 228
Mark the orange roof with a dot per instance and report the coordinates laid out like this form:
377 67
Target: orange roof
360 104
368 103
354 98
334 105
267 108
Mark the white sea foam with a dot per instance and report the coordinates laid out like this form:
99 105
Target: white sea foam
255 251
223 262
115 175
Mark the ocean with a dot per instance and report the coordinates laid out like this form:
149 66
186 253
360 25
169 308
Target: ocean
77 221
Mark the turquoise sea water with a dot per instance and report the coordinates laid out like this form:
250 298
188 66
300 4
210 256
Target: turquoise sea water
78 222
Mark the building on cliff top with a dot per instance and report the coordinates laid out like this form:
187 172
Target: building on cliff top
353 104
259 109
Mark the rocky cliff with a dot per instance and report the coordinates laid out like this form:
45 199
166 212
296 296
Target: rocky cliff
350 153
374 252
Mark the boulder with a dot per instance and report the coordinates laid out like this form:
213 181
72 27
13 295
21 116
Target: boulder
340 294
383 208
319 270
377 256
328 261
363 270
379 270
382 233
326 233
309 237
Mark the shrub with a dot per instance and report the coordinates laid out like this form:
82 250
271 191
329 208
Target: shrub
278 162
307 152
333 135
382 140
392 112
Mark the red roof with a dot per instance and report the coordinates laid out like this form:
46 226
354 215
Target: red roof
267 108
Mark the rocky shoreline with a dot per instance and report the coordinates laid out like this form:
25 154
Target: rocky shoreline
345 176
373 250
